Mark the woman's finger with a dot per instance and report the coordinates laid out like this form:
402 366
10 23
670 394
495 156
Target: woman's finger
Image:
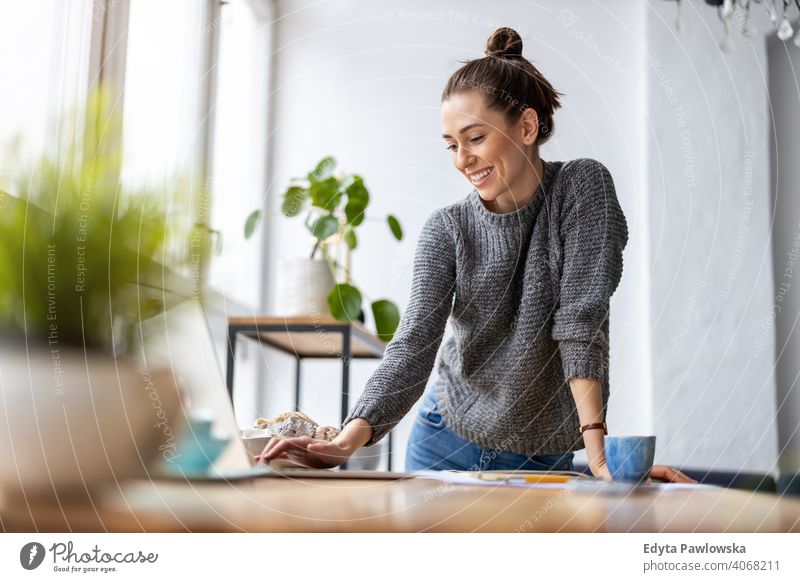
260 458
289 443
271 443
269 447
676 476
683 477
670 474
278 448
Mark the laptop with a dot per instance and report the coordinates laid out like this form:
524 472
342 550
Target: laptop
181 339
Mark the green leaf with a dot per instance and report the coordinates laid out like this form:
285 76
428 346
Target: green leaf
344 302
251 223
356 189
326 194
324 169
395 227
354 212
325 226
293 200
357 201
387 318
350 238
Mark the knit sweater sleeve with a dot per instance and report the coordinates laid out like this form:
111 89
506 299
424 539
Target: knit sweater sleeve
402 374
594 233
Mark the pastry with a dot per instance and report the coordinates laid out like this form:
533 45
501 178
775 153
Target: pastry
326 433
294 424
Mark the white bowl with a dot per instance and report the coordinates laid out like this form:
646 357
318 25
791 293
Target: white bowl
255 440
366 458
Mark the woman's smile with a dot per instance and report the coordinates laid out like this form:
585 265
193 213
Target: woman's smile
480 177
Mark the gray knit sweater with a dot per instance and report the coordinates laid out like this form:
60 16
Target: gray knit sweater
527 295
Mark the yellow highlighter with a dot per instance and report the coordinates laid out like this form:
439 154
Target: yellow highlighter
540 479
522 478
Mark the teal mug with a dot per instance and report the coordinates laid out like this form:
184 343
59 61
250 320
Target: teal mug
197 447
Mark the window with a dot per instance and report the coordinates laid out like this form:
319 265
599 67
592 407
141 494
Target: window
162 123
164 130
44 59
192 77
237 177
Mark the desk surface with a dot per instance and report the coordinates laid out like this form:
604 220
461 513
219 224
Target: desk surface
413 505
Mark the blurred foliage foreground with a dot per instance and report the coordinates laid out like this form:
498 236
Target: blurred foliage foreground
83 260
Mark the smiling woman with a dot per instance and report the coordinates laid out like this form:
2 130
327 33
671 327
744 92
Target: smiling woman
524 268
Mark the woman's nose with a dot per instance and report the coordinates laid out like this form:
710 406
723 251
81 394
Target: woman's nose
463 159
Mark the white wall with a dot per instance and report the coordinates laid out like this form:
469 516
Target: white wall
363 81
784 91
710 257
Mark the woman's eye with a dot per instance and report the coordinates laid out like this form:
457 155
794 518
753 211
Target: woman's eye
475 140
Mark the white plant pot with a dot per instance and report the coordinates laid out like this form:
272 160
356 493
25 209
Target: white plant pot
366 458
72 421
303 287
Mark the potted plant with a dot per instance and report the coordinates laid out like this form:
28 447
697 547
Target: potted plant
336 205
82 263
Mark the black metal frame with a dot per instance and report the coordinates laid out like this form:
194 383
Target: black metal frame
254 331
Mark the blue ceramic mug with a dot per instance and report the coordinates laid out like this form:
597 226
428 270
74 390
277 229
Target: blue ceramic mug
630 458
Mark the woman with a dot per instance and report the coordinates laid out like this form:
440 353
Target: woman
524 268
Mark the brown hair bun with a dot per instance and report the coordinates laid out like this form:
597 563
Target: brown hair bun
504 42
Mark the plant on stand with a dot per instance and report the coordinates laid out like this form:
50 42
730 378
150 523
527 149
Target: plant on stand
337 205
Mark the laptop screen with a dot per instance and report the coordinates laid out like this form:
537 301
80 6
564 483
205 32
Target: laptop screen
181 339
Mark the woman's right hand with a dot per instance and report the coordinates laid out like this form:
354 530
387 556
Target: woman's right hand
317 453
306 451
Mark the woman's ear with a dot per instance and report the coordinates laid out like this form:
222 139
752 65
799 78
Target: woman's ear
530 126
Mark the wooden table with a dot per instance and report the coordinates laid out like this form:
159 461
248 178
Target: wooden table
411 505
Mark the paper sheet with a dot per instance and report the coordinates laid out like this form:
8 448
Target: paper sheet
577 484
473 479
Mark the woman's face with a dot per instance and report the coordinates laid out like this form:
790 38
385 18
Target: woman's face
491 153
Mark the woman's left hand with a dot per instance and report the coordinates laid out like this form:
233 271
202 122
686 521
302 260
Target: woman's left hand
669 474
600 470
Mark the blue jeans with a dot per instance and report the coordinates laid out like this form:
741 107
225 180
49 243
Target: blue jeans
432 445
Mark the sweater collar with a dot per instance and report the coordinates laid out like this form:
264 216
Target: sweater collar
521 214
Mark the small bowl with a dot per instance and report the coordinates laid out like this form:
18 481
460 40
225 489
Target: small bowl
255 440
